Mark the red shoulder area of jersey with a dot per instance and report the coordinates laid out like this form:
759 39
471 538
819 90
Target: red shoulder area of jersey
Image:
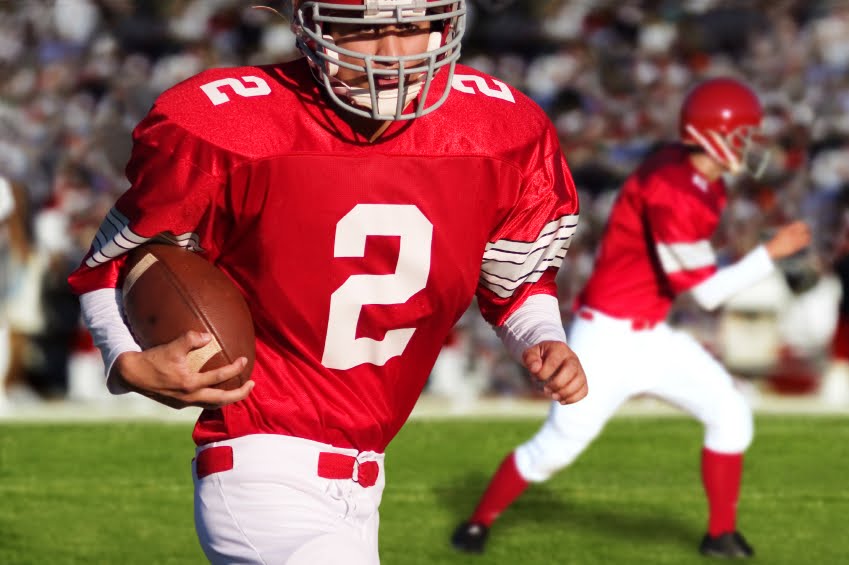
669 161
258 112
488 110
241 109
483 117
669 176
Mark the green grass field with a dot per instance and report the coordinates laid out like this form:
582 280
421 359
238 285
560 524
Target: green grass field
121 494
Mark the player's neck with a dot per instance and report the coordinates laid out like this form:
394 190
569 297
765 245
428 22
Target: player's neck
366 127
707 166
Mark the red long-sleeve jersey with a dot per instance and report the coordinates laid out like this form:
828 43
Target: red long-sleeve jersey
356 258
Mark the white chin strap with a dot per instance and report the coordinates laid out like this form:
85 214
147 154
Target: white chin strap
387 100
719 148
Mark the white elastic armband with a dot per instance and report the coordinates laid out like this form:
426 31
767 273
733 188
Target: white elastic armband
535 321
728 281
101 310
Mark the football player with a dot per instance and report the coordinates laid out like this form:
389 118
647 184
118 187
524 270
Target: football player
656 246
360 197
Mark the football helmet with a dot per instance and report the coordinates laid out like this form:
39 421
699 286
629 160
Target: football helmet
413 73
723 116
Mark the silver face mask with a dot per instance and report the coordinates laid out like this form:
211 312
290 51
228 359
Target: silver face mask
413 73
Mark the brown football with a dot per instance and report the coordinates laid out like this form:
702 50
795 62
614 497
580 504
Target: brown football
169 290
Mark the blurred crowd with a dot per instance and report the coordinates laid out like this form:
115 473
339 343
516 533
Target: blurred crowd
77 75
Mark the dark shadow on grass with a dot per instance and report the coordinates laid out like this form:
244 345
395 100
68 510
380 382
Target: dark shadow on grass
633 525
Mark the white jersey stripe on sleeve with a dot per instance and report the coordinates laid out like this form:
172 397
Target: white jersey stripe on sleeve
675 257
506 287
520 257
114 238
190 240
508 264
564 227
505 266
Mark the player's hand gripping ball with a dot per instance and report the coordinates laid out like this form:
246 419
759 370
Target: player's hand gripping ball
169 291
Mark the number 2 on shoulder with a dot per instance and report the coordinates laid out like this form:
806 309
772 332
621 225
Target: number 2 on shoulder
217 96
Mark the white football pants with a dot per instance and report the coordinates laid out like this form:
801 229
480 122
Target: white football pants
272 508
621 362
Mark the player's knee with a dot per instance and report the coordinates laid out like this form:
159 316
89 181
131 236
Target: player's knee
550 451
731 430
332 549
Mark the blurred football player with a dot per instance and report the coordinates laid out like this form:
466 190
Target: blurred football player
360 197
834 386
656 245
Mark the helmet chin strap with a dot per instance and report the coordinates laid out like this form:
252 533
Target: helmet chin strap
718 147
387 99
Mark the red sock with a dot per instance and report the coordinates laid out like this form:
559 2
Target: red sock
505 486
721 476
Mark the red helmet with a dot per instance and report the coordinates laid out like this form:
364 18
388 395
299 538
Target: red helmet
723 116
414 73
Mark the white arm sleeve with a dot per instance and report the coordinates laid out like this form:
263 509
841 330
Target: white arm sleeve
101 311
728 281
536 320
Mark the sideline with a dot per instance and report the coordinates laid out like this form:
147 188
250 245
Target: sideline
137 408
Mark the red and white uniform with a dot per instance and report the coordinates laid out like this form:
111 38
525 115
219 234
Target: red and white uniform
657 240
655 247
356 258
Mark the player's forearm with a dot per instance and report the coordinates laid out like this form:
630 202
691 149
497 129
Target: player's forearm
101 310
535 321
730 280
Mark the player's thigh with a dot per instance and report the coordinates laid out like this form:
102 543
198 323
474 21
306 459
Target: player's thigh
614 361
690 377
605 394
565 434
240 520
570 428
333 549
695 381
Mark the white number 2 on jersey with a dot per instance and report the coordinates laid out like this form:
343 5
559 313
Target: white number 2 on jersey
217 96
471 84
342 349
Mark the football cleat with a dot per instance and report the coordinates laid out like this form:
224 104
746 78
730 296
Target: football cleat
470 537
729 545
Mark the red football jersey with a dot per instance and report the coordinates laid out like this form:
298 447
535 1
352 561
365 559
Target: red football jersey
657 240
356 258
